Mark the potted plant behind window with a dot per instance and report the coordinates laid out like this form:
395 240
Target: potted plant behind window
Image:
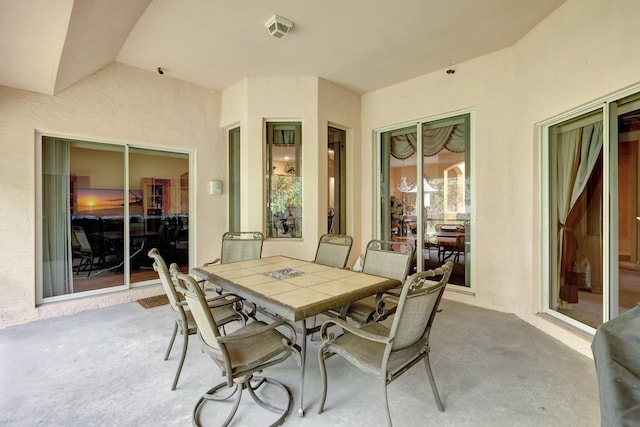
397 214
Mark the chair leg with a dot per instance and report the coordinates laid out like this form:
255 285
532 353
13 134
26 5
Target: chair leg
223 392
185 344
323 374
434 388
386 401
315 322
90 267
173 337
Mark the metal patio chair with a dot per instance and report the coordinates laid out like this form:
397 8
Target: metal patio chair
386 259
385 352
240 355
223 309
333 250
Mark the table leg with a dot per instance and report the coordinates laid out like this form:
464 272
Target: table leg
303 357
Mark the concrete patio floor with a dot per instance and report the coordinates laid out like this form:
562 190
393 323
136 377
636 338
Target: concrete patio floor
104 368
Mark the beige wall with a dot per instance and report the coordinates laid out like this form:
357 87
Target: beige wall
340 108
583 51
119 104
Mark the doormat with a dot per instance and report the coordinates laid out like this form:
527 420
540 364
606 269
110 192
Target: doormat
154 301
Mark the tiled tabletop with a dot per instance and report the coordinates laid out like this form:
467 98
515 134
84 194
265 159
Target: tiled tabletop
292 288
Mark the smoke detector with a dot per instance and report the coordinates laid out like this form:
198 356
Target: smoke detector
278 26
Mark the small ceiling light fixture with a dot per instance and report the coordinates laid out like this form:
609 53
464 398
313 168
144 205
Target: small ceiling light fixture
278 26
451 70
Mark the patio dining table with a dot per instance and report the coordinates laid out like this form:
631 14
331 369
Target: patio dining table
293 289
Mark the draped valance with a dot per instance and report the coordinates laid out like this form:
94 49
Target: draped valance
434 140
284 137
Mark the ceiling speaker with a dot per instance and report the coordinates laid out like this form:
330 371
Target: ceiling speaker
278 26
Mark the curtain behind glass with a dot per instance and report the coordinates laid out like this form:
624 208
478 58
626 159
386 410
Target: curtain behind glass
577 150
55 217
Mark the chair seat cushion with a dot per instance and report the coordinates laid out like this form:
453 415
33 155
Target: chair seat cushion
255 349
448 241
225 314
368 355
364 310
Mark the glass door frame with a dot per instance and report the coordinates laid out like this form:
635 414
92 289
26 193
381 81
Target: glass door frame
39 298
610 275
381 176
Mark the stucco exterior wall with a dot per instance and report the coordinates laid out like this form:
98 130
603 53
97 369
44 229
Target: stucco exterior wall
583 51
340 108
314 102
118 104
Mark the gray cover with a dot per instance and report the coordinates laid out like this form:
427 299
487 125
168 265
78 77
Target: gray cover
616 351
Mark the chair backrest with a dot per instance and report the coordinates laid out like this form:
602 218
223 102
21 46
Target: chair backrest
333 250
81 237
388 259
205 322
417 307
456 228
241 246
165 277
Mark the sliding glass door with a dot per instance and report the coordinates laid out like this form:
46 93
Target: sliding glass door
626 129
102 207
425 192
575 217
594 252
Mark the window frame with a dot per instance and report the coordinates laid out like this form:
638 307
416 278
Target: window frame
271 230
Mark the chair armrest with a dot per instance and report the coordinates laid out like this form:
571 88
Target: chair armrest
386 305
205 288
215 261
266 327
217 300
328 337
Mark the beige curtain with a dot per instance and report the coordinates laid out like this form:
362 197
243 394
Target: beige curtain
577 153
56 211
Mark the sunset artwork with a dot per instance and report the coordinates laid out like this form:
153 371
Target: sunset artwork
100 202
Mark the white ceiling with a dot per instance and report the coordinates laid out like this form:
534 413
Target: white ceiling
362 45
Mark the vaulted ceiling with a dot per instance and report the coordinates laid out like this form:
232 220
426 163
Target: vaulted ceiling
362 45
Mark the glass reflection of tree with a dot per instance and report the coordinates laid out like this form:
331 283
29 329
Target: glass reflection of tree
286 196
454 183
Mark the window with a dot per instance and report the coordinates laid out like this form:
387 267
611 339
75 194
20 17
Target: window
337 185
425 191
591 205
234 179
283 175
103 206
